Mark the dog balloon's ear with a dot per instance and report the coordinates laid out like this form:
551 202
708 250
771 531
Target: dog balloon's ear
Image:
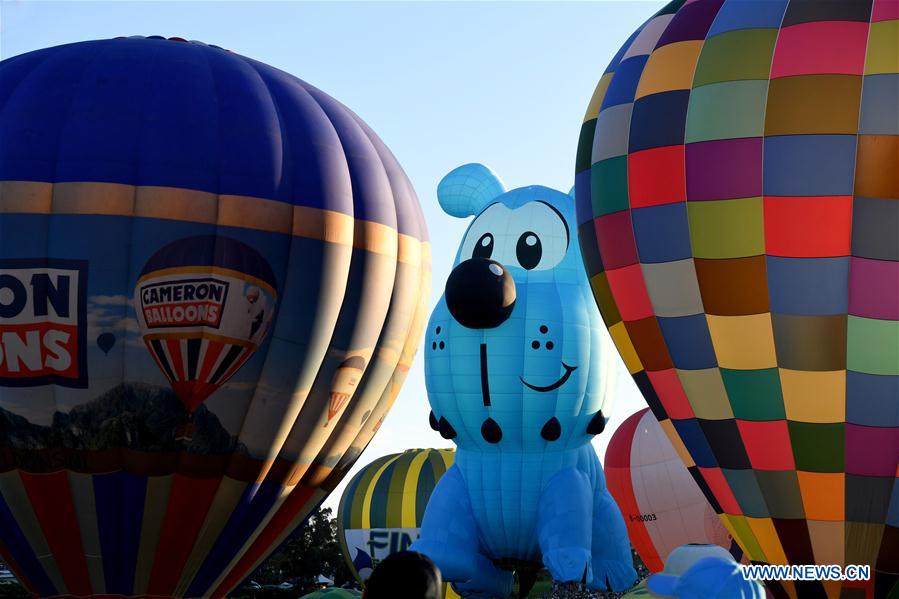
468 189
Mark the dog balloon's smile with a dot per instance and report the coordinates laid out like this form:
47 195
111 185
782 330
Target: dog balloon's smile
517 317
562 380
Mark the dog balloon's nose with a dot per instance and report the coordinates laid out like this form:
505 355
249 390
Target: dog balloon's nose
480 293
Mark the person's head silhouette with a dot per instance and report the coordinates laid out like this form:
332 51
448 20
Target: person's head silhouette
404 575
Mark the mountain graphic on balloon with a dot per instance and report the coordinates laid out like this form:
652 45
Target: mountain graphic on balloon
204 305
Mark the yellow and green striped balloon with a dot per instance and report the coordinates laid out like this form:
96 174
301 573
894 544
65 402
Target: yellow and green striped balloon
382 508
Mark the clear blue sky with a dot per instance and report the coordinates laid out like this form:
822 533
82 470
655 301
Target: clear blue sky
503 83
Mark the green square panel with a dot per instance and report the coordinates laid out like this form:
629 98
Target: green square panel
585 146
872 346
727 110
747 535
608 181
754 394
780 488
818 447
736 55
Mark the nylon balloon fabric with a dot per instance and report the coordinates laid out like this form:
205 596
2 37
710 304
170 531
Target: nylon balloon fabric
662 506
251 261
738 212
382 508
519 374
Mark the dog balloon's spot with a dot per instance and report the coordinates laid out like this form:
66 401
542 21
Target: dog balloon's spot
491 431
432 420
552 430
446 429
597 424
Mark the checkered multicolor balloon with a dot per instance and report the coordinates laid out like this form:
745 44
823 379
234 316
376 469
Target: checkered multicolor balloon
738 209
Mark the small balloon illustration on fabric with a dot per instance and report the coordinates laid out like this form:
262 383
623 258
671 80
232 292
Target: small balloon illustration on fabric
106 341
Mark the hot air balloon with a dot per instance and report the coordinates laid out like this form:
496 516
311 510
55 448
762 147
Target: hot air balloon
198 338
519 373
737 190
105 341
382 507
662 506
243 235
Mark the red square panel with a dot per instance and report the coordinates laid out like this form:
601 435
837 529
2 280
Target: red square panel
808 227
615 236
714 478
629 291
670 391
768 444
821 47
656 176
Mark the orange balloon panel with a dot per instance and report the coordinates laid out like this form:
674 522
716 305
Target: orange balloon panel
662 506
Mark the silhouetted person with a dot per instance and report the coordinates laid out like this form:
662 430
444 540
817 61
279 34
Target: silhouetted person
404 575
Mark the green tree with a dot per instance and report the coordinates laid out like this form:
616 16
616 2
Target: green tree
310 551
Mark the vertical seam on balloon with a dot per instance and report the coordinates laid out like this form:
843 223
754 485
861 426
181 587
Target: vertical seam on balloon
124 348
315 377
629 478
582 405
693 257
3 499
630 207
541 481
383 397
689 235
187 580
370 490
51 217
128 349
692 250
371 139
893 491
755 479
18 534
47 227
391 509
770 516
568 319
410 499
179 582
218 230
251 559
418 312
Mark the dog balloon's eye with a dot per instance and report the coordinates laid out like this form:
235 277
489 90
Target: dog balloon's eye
529 250
484 247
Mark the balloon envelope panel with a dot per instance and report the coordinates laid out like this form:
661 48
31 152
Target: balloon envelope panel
211 291
382 507
662 506
737 207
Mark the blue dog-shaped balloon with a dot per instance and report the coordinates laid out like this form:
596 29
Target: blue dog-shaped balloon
518 371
